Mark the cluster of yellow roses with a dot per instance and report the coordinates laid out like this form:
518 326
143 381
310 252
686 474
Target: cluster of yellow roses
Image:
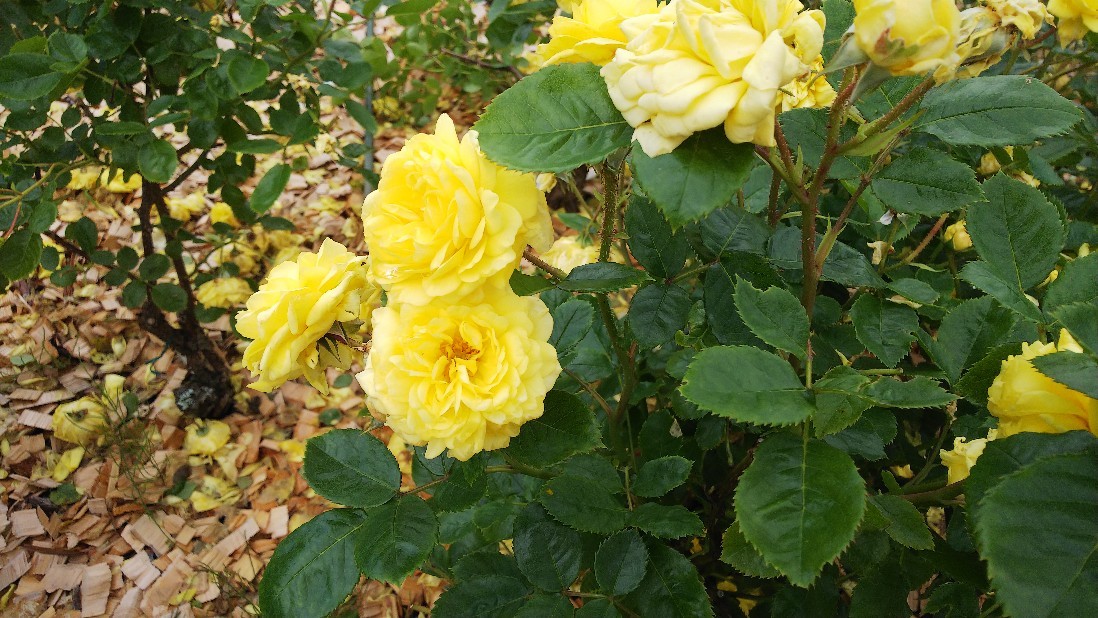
690 65
457 360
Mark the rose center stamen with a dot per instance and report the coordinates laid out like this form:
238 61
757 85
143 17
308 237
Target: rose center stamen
459 349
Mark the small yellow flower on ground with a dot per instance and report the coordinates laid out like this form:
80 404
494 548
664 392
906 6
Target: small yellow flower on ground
221 212
461 377
212 493
908 37
119 184
1074 18
963 456
223 292
957 235
297 305
445 220
67 463
80 421
294 449
593 32
206 437
699 64
1024 399
183 208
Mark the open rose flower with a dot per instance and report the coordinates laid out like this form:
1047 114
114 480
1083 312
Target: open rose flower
462 377
445 220
593 32
908 37
223 292
1074 18
699 64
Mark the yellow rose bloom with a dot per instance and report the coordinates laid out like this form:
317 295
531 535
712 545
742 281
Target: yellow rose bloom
1024 399
593 32
811 90
1074 18
957 235
908 37
183 208
462 377
295 307
982 42
445 220
223 292
698 64
118 184
1026 15
205 437
963 456
568 252
221 212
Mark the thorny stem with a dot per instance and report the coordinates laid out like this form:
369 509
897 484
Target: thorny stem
909 258
882 123
932 496
533 258
590 388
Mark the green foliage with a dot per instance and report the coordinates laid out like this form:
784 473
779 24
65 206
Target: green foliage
748 385
352 468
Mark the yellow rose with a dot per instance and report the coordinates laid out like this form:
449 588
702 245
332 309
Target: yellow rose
183 208
206 437
1075 18
445 220
810 90
295 307
989 163
80 421
221 212
960 460
462 377
1026 15
698 64
223 292
118 184
593 32
568 252
908 37
981 42
1024 399
957 235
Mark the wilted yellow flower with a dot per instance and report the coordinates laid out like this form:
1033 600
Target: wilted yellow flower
957 235
698 64
118 184
294 449
221 212
593 32
85 178
1024 399
1074 18
445 220
67 463
461 377
80 421
989 163
183 208
295 308
1026 15
569 252
810 90
545 182
963 456
908 37
206 437
223 292
212 493
982 42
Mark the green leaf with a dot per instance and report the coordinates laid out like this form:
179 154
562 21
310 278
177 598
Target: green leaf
567 427
867 438
466 485
169 297
20 254
736 551
66 47
806 129
269 188
919 392
666 521
553 121
657 248
254 146
396 538
24 77
83 232
1081 320
572 320
913 289
313 569
657 312
799 503
700 175
926 182
621 562
881 593
548 553
1053 505
731 229
1077 283
973 385
775 316
1017 231
598 608
1076 371
494 596
966 334
546 606
984 277
157 161
154 267
999 110
840 400
885 328
602 277
902 521
583 504
671 588
528 285
351 467
1005 456
246 73
659 476
844 265
134 294
746 384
